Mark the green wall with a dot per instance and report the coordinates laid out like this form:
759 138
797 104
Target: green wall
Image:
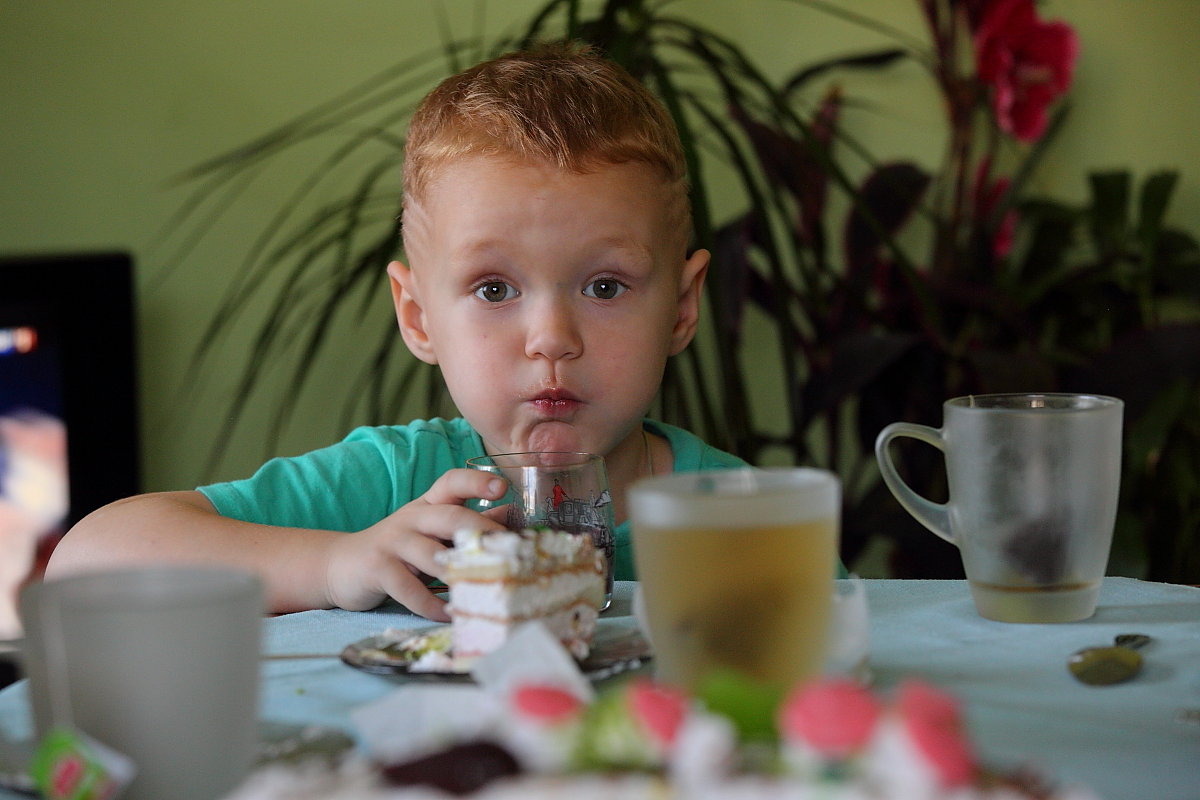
102 104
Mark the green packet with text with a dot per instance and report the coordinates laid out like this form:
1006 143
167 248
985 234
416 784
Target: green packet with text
70 765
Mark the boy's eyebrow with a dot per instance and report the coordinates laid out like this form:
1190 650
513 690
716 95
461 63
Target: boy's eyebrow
493 245
476 248
636 252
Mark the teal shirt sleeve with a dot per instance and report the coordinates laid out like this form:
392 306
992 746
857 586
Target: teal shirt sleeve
353 484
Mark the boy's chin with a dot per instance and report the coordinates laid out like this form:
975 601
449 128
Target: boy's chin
555 436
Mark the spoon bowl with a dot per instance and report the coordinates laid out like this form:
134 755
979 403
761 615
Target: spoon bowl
1115 663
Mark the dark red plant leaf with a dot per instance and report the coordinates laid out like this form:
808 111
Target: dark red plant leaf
799 166
1007 370
888 198
814 176
729 276
1139 366
779 155
875 60
976 10
855 360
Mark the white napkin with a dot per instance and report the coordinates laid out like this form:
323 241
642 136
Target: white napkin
417 719
532 655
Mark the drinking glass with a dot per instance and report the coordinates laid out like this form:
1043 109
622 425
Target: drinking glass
562 491
1034 481
736 569
158 663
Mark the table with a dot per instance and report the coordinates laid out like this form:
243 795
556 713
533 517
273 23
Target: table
1021 704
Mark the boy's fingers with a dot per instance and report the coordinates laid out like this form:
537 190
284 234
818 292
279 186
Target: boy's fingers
406 588
498 514
441 521
421 553
439 514
436 526
458 485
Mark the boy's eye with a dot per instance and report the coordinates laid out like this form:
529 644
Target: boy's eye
495 291
604 288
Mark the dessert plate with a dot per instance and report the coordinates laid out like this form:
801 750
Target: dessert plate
616 648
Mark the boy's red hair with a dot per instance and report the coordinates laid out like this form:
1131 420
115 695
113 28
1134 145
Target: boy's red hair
561 104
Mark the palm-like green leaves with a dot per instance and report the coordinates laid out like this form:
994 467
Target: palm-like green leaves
860 329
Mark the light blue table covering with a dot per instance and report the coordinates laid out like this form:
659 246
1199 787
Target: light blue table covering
1021 704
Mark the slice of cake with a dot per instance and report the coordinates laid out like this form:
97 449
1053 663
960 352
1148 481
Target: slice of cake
501 579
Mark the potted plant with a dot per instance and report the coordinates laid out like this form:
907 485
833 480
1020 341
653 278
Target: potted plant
883 291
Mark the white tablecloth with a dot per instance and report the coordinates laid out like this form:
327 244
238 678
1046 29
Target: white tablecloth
1022 705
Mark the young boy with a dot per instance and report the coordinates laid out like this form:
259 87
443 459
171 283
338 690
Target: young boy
545 226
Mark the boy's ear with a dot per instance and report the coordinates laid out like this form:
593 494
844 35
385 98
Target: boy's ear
691 284
409 314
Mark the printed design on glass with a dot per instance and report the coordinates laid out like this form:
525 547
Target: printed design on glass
563 512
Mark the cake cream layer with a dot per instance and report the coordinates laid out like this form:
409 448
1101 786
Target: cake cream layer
522 600
501 579
573 625
516 554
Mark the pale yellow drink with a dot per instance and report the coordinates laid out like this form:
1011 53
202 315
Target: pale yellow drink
736 571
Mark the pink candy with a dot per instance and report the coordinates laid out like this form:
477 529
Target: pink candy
660 709
932 720
546 704
835 717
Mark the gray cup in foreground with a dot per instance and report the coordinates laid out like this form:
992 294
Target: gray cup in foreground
1033 484
159 663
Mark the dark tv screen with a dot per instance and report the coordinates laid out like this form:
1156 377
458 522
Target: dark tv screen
68 399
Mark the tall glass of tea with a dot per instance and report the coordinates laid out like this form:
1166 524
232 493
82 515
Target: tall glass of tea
737 568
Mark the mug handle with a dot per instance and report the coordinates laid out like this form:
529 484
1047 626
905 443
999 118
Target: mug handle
934 516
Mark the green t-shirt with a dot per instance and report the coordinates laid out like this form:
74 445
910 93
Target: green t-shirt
374 471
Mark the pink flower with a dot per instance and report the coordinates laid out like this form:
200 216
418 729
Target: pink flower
1026 62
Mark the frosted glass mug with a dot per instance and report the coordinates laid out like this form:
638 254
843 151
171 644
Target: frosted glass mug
1033 487
736 570
158 663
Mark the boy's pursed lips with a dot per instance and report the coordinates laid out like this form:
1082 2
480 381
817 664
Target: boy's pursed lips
555 402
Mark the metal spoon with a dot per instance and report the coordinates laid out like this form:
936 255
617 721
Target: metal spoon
1102 666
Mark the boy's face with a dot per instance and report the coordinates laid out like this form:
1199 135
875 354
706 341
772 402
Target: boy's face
550 300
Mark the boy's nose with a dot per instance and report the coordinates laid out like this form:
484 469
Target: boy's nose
552 333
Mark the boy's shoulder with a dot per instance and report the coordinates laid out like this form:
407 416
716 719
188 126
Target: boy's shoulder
434 444
690 452
455 431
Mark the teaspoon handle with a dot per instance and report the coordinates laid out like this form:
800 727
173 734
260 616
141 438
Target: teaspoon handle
1134 641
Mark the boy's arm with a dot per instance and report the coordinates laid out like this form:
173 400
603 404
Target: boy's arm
301 568
183 527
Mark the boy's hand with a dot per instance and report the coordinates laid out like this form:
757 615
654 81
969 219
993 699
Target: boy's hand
391 558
